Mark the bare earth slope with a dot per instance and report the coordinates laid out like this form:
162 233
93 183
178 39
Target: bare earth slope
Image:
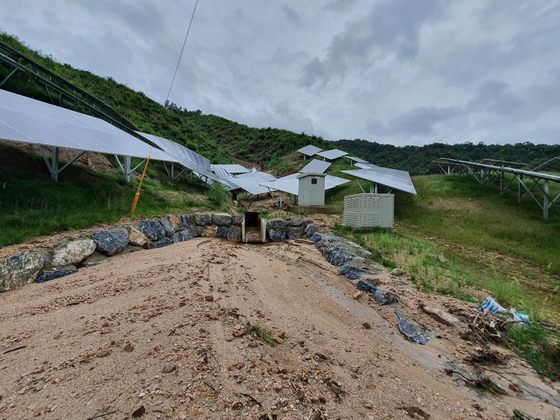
162 334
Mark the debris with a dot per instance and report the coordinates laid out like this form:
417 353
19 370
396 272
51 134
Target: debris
408 328
16 349
358 295
444 317
366 325
397 272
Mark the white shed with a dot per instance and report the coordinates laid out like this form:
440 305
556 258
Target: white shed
311 189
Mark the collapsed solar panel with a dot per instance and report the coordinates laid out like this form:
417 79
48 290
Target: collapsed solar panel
316 167
27 120
225 178
392 178
332 154
310 150
198 164
290 184
233 168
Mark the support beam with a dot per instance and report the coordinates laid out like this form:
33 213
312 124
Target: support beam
8 76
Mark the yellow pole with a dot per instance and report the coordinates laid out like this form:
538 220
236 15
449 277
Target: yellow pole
137 196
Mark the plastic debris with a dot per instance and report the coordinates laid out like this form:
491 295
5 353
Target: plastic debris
491 305
410 331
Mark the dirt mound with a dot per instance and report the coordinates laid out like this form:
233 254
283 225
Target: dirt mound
172 333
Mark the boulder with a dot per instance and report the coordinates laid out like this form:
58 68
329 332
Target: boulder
73 252
176 222
188 220
237 220
310 230
222 232
353 273
295 222
234 234
293 232
276 235
19 270
207 231
152 229
160 244
397 272
51 275
316 237
222 219
167 227
135 237
277 224
203 219
110 242
338 258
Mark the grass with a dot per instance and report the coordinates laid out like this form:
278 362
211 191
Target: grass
31 204
263 334
462 239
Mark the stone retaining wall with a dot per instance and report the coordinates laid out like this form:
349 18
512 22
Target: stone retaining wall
48 264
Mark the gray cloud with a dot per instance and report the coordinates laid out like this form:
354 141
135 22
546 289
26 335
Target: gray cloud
397 71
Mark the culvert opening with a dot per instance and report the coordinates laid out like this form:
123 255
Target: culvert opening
254 228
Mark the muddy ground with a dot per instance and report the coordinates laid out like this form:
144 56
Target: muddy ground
165 334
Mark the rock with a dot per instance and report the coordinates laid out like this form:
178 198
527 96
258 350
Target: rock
187 234
222 232
203 219
188 221
222 219
310 230
237 220
110 241
397 272
276 235
51 275
168 228
444 317
234 233
276 224
135 237
353 273
73 252
19 270
176 222
160 244
412 330
152 230
366 286
316 237
209 231
295 222
338 258
293 232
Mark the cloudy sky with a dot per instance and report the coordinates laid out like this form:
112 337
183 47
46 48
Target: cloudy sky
404 72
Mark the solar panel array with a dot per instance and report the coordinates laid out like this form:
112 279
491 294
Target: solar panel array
290 184
233 168
356 159
27 120
198 164
310 150
392 178
316 166
332 154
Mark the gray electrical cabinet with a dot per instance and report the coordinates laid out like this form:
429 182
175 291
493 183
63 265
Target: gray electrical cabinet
311 189
369 210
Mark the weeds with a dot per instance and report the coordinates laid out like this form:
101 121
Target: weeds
263 334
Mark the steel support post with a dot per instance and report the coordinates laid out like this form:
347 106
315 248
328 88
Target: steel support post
126 170
8 76
546 200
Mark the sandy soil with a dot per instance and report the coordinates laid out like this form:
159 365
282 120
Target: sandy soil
162 334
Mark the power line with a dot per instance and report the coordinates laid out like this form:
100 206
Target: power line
182 49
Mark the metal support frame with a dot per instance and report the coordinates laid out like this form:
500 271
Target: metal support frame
52 164
8 76
126 167
489 174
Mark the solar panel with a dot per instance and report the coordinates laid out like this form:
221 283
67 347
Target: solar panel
27 120
310 150
191 160
356 159
393 178
251 182
233 168
332 154
290 184
316 166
